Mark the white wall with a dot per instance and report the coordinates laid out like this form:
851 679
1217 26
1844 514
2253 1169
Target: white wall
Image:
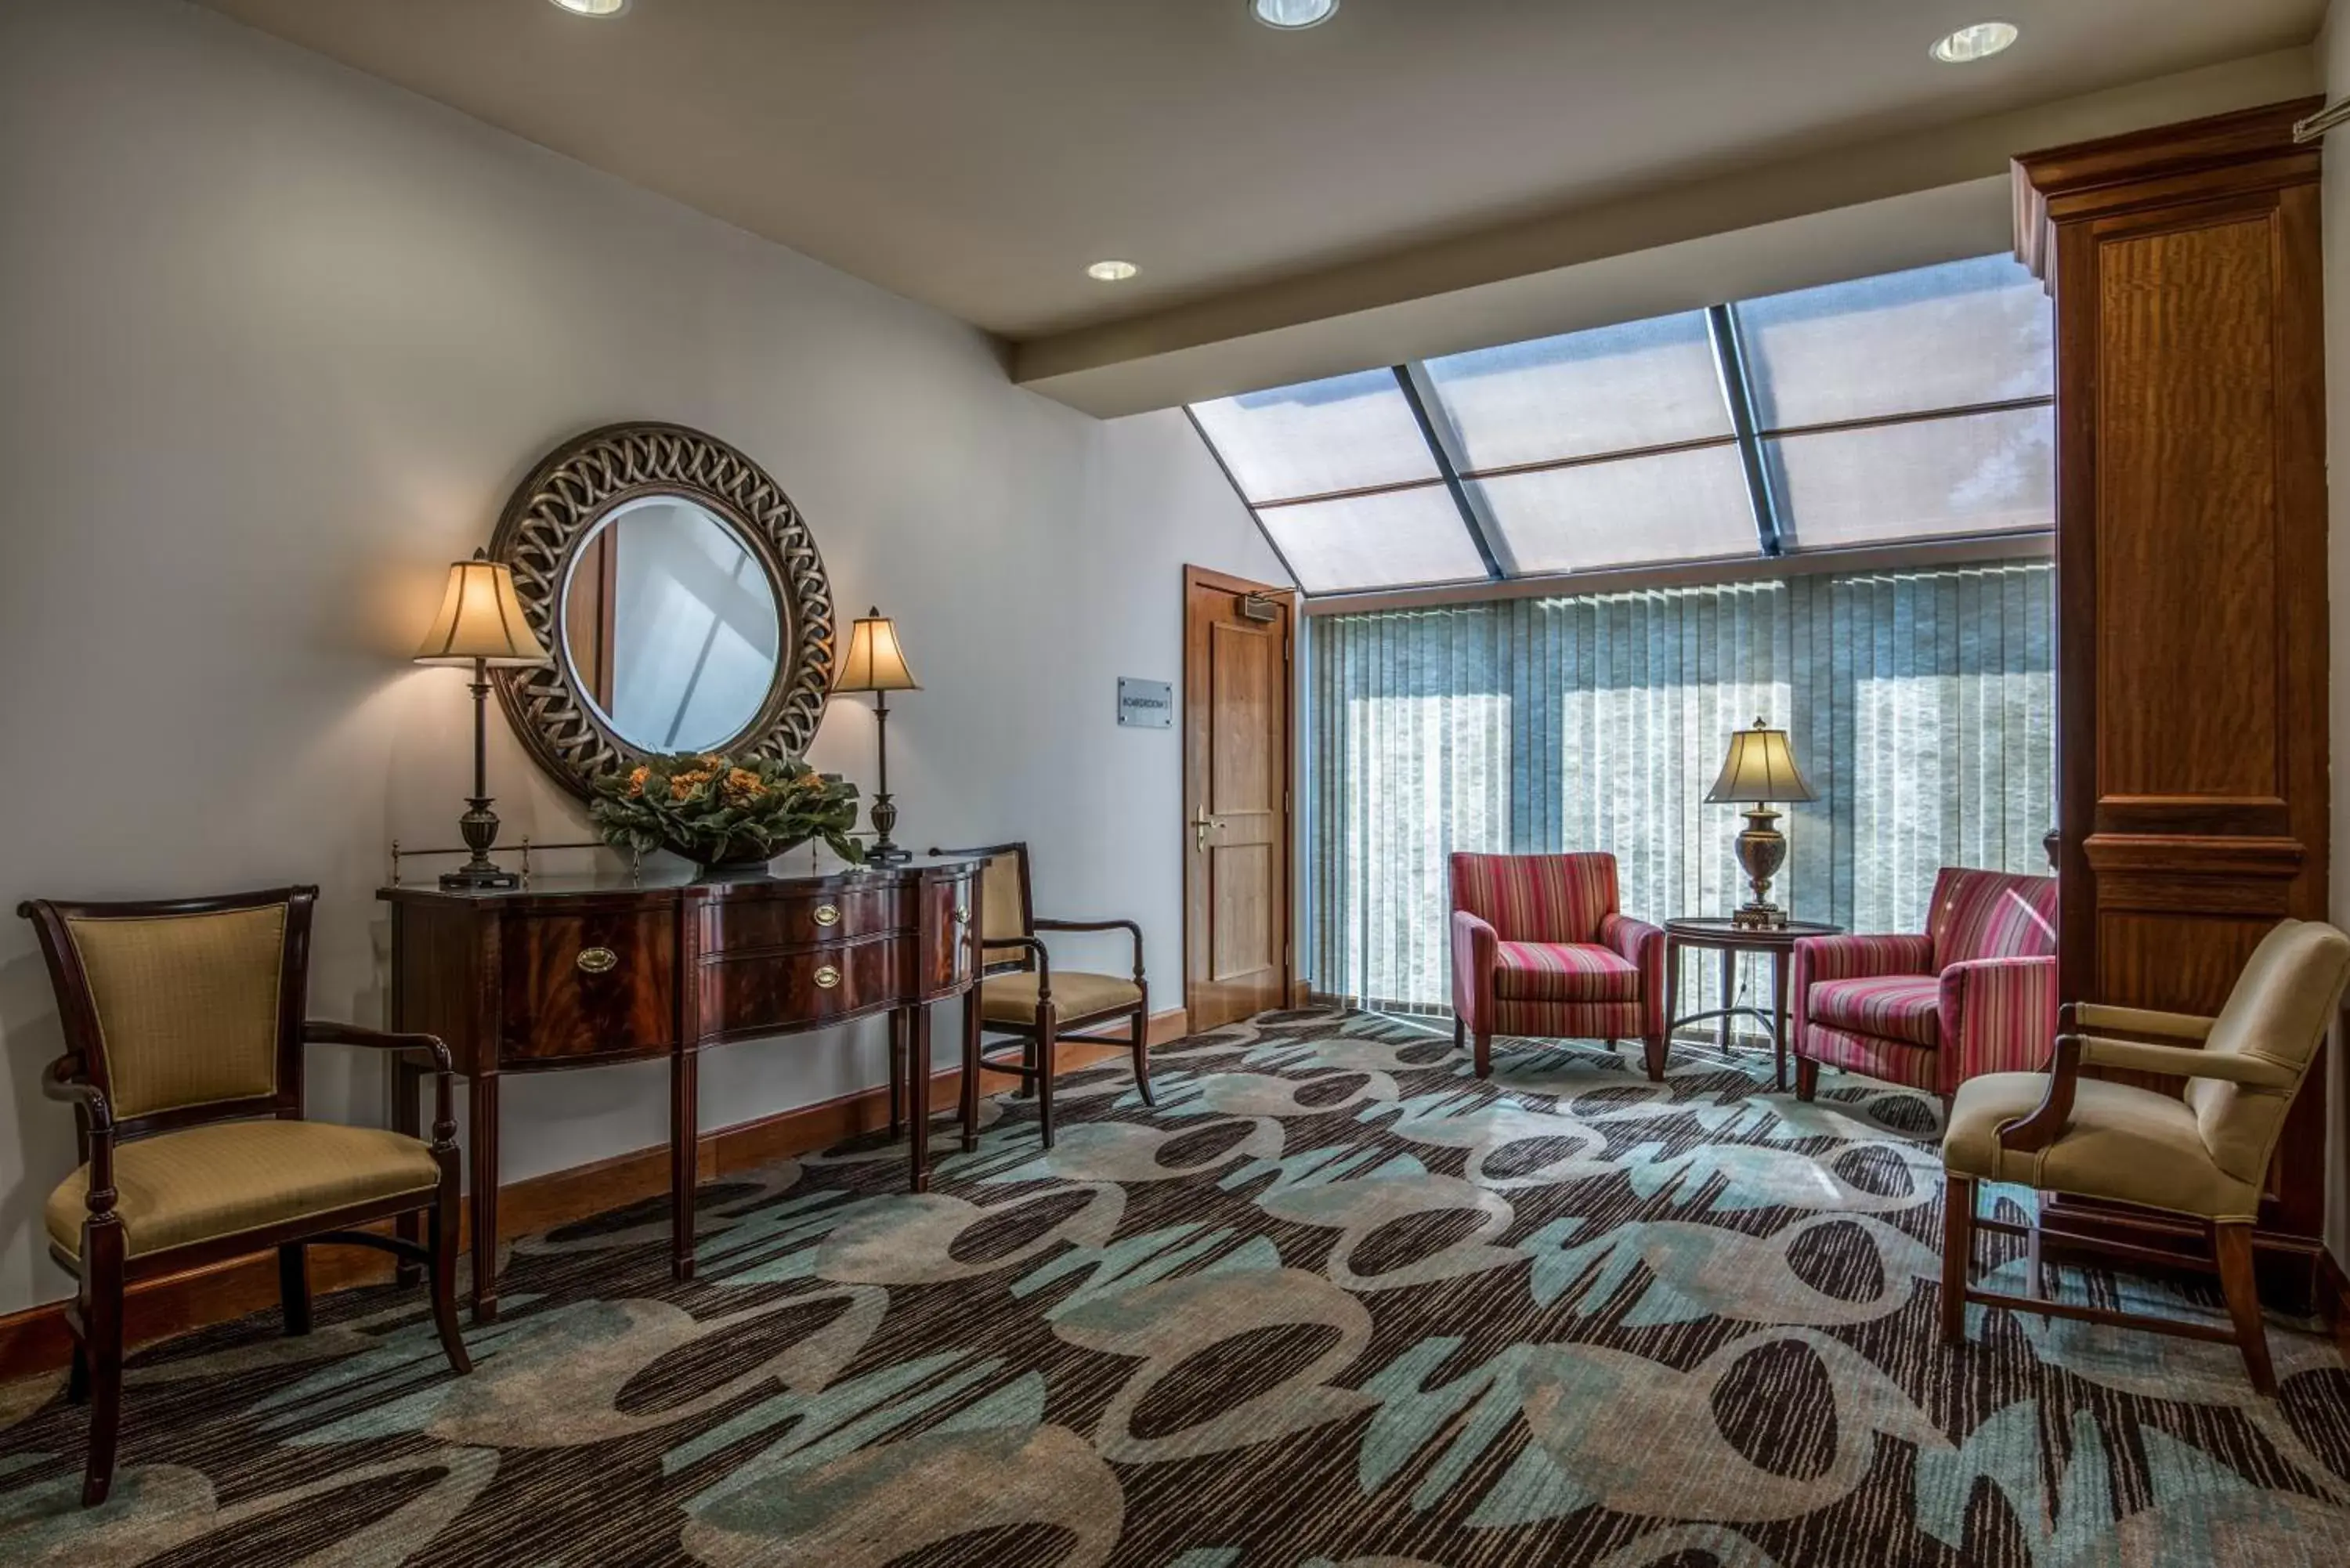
279 340
2334 59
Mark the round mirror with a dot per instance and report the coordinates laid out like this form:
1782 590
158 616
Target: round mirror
670 627
683 597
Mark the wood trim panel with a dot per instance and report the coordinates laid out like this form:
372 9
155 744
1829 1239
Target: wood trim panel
34 1341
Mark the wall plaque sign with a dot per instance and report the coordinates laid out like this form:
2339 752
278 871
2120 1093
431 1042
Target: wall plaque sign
1145 704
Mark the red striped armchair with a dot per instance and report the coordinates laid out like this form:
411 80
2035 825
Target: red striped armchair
1540 948
1975 994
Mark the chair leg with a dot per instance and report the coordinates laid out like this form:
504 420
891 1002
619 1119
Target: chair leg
1459 1033
1048 1025
1142 1055
1807 1077
78 1375
1653 1055
440 1234
102 1315
294 1288
1027 1089
1957 1252
2233 1244
1484 1054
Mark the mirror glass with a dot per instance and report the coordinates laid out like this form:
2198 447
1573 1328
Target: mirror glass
670 625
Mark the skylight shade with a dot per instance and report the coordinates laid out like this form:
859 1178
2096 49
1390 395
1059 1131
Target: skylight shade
1948 337
1401 537
1642 384
1983 473
1349 433
1673 506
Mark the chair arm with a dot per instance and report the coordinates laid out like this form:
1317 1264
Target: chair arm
2185 1062
1999 1015
1861 957
2078 1015
1475 945
61 1081
1643 945
2046 1124
1129 926
1036 951
327 1031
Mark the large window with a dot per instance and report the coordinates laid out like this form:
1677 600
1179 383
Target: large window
1912 407
1920 704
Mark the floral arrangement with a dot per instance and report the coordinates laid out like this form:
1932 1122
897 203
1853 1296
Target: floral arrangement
721 811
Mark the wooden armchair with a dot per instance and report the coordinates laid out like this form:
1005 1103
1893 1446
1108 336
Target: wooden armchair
2205 1156
1021 993
184 1042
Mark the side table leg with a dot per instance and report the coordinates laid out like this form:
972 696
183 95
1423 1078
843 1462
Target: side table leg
1779 965
1672 985
1729 995
482 1107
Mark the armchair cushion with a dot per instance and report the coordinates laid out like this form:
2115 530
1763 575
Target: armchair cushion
1076 996
2123 1143
1903 1007
204 1183
1563 972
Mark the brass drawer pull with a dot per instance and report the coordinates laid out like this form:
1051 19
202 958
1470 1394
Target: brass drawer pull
599 960
963 915
827 915
827 977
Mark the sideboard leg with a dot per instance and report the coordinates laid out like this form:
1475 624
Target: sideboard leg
684 1152
481 1109
918 1089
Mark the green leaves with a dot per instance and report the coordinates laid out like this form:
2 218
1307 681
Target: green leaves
714 808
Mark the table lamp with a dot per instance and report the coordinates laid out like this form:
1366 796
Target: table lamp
1760 768
876 663
480 623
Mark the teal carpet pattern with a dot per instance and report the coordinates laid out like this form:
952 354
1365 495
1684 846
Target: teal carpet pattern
1333 1303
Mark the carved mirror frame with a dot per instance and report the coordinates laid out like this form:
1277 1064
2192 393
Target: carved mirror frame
558 508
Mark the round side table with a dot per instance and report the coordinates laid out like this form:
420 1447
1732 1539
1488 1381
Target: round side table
1730 939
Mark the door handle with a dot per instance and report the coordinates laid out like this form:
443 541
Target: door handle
1200 827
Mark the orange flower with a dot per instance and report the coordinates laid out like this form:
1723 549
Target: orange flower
637 781
745 783
681 785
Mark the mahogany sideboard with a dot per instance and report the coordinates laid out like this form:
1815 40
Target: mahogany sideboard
578 972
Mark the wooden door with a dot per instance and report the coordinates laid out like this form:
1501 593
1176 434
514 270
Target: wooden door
1237 797
2191 526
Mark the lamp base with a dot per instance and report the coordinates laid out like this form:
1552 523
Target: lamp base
488 874
1762 850
884 850
479 828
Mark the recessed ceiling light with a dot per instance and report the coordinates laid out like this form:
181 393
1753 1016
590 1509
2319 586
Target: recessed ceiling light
594 8
1980 42
1111 271
1289 15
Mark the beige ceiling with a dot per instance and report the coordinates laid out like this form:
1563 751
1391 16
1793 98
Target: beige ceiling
976 155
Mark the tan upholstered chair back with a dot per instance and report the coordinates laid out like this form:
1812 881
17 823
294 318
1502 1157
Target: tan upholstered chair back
1003 906
188 1008
2282 1006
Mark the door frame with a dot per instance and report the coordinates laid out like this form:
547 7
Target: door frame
1196 578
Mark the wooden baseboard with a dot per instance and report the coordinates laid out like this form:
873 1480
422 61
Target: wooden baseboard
34 1341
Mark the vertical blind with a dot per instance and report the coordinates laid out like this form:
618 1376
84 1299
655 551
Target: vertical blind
1919 703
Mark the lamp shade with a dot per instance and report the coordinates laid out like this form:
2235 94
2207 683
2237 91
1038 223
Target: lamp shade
1760 767
480 620
874 661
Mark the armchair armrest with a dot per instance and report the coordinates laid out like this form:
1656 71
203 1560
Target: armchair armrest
61 1080
1861 957
2185 1062
327 1031
1129 926
1475 945
1037 951
1999 1015
2079 1015
1643 945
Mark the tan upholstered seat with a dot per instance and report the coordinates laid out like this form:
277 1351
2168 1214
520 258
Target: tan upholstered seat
1011 998
206 1182
2126 1144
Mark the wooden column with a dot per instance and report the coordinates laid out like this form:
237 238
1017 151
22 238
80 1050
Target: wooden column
2192 567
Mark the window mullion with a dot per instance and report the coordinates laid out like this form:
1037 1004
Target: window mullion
1729 360
1412 378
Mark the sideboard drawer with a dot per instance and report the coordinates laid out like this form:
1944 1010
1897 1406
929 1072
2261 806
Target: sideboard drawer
773 993
592 984
801 920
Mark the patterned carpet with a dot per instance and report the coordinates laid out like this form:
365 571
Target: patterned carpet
1334 1303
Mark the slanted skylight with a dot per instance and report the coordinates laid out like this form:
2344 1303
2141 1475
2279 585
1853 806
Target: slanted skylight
1892 409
